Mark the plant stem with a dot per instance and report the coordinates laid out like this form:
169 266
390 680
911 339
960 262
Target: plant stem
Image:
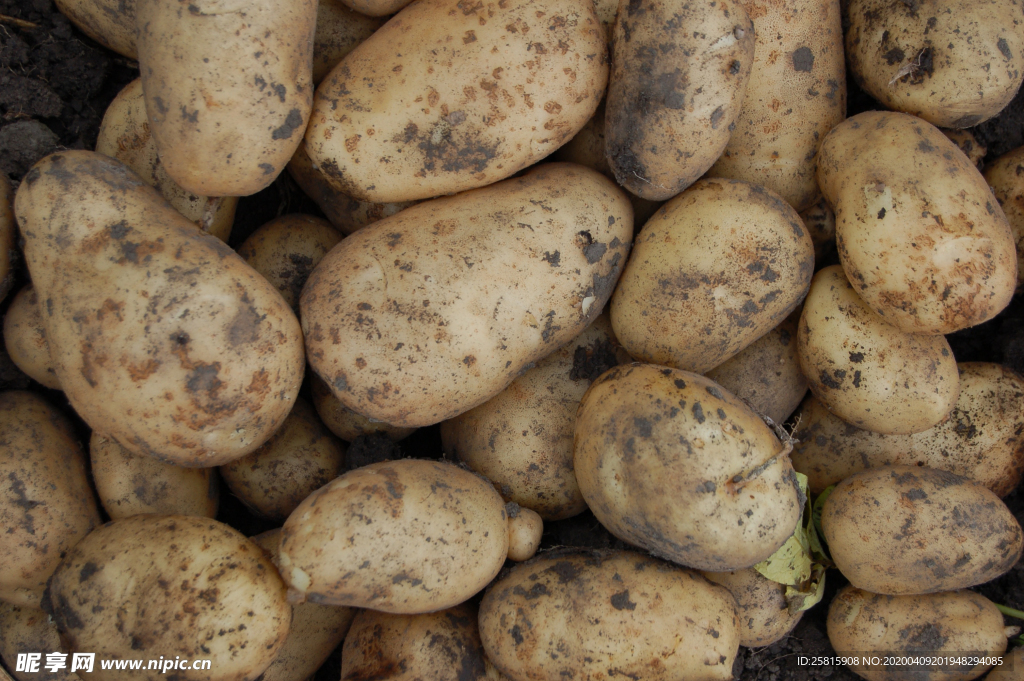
1010 612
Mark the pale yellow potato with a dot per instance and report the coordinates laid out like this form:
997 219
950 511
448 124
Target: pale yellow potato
228 88
445 98
1005 176
715 269
903 530
444 304
969 144
171 585
131 484
1011 667
344 422
300 458
25 338
578 613
761 605
797 93
406 537
917 228
162 337
821 223
671 462
866 371
525 529
30 630
941 625
46 504
954 63
8 237
980 440
111 23
286 249
125 135
338 30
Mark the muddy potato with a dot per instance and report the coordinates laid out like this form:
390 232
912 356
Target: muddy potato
8 237
1005 176
525 529
437 534
338 30
25 338
344 422
916 227
671 462
969 144
761 606
980 440
420 335
866 371
821 223
909 530
866 624
162 337
46 504
1010 667
25 629
715 269
111 23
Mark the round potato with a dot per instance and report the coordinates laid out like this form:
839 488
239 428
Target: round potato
525 530
8 237
338 30
908 530
764 615
344 422
866 371
24 629
25 338
1005 176
111 23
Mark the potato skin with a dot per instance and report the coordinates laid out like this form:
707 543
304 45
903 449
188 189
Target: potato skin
916 227
25 338
330 554
760 604
203 355
1010 668
405 332
25 629
344 422
909 530
339 29
1004 176
658 621
111 23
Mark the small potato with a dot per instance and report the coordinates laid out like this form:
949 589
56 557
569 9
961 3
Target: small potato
864 624
8 237
24 629
25 338
821 223
908 530
761 605
344 422
300 458
969 144
525 529
111 23
866 371
338 31
1005 176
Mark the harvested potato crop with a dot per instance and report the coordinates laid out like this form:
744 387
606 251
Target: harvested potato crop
679 71
111 23
1005 176
8 237
25 338
916 227
429 106
150 586
761 605
30 629
671 462
46 504
525 529
339 30
344 422
866 371
966 141
909 530
162 337
405 331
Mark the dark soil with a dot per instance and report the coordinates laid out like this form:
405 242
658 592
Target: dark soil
55 84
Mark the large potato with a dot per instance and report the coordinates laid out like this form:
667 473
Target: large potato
428 313
408 536
25 338
761 604
30 630
447 97
909 530
866 371
162 337
917 228
671 462
46 504
579 614
1005 176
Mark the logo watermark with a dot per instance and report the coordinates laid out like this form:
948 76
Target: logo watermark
32 663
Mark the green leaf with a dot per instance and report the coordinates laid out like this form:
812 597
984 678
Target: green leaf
819 504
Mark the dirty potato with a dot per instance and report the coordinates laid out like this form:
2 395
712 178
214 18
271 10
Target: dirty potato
966 141
761 605
1005 176
25 629
339 29
344 422
525 530
25 338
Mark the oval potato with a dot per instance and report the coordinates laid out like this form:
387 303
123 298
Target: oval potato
1005 176
764 614
25 338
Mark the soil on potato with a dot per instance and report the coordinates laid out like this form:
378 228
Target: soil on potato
55 84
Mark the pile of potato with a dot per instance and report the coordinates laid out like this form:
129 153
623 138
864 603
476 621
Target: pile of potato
459 279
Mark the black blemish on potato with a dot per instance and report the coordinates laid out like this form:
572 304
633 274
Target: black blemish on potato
291 123
923 638
204 379
881 213
698 412
830 382
87 571
642 427
190 117
517 634
536 591
916 494
565 571
281 91
403 577
803 59
620 601
894 56
244 327
552 259
267 168
161 107
1004 48
65 615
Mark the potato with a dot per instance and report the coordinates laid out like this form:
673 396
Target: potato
315 632
937 625
671 462
980 440
766 374
406 537
797 93
1009 668
522 439
25 338
162 337
677 80
950 62
577 614
46 504
125 135
966 141
286 249
300 458
916 227
228 87
715 269
338 31
111 23
909 530
821 223
344 422
151 585
1005 176
30 630
406 332
525 529
429 106
130 484
8 237
761 605
866 371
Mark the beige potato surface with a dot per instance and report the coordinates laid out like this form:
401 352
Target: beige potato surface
866 371
30 630
969 144
1005 176
111 23
525 530
761 606
344 422
25 338
339 29
428 313
902 530
8 237
917 229
448 97
162 337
